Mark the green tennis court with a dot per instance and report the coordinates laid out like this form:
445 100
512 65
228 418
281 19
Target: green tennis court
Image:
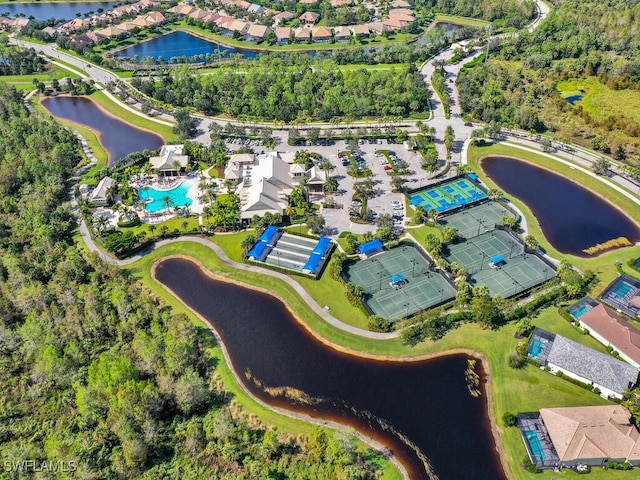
519 272
481 218
421 289
448 195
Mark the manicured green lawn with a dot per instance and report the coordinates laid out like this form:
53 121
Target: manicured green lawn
603 265
55 73
164 131
465 21
173 223
600 101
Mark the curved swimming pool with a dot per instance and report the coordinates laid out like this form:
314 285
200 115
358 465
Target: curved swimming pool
155 198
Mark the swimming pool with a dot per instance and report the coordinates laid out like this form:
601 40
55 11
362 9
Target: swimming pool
534 444
581 310
536 348
620 289
178 195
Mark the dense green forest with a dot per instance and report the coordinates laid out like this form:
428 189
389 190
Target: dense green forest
286 95
581 39
17 61
96 373
508 13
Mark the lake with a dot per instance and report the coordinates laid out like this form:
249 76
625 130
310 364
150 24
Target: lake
63 10
572 218
183 44
118 138
427 402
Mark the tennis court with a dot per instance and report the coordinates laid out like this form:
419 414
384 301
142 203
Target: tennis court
420 290
446 196
481 218
519 271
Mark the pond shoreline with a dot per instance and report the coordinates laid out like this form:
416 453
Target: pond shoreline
601 196
484 363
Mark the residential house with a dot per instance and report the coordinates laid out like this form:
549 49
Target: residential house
379 28
400 4
360 31
341 3
282 34
170 161
342 34
612 330
395 24
256 33
612 376
592 435
399 11
237 26
308 2
182 9
256 9
321 34
302 34
101 195
282 17
110 32
156 18
310 17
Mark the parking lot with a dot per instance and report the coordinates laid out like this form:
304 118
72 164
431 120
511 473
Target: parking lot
338 219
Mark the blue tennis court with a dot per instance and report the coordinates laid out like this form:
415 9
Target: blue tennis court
447 196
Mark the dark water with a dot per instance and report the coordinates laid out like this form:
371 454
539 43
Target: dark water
182 44
573 99
118 138
45 11
571 217
426 401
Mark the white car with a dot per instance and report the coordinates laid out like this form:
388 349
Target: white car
396 203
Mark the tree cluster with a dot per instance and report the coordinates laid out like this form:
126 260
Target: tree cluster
275 94
95 371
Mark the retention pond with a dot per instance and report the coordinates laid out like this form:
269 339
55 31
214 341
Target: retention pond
572 218
118 138
423 405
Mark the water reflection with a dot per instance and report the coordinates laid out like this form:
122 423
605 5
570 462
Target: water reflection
425 403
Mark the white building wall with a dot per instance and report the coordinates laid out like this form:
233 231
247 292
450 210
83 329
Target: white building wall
607 343
604 391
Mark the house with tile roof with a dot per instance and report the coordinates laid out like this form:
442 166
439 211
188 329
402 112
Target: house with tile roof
310 17
282 17
342 34
612 376
282 35
613 330
361 31
592 435
255 32
321 34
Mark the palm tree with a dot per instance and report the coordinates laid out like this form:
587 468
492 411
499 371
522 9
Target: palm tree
101 223
185 224
152 228
206 213
330 185
228 184
163 230
247 243
495 194
167 203
434 215
145 189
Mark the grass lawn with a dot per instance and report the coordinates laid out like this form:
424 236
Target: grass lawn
512 390
601 102
602 265
172 223
464 21
54 73
105 102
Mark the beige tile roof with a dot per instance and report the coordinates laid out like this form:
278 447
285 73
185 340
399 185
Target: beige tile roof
623 336
321 32
310 17
257 31
592 432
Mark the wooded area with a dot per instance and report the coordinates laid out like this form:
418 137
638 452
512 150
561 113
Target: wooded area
97 373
